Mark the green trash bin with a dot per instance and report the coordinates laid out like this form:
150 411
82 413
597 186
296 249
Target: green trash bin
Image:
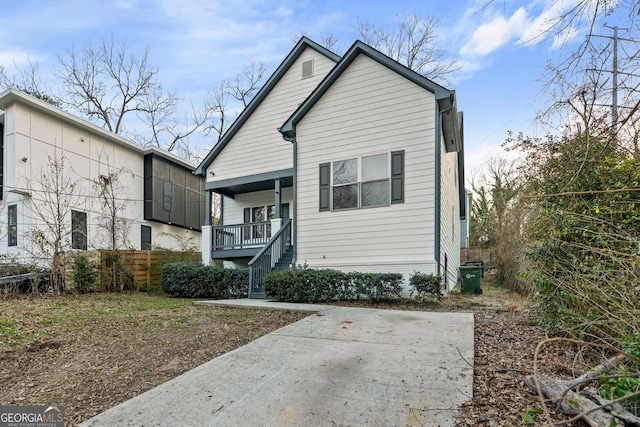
471 275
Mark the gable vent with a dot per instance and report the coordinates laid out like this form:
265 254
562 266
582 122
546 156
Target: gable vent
307 69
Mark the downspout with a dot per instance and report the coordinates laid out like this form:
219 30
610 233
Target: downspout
290 136
294 221
437 190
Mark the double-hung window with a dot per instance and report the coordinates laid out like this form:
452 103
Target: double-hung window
363 182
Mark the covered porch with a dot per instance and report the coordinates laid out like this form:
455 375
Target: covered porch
265 235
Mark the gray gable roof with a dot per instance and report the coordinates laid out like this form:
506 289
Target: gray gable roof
288 128
302 44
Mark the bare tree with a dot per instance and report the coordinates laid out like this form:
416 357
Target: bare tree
108 84
497 216
594 87
27 80
112 195
414 43
58 191
242 87
327 40
216 106
166 130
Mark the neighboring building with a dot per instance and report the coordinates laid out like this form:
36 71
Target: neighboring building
160 202
465 222
370 180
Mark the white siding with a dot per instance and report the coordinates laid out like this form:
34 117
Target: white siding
258 147
449 217
35 135
369 110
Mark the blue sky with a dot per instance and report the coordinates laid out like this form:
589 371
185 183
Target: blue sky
196 43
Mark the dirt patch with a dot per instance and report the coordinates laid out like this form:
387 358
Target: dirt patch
507 332
92 352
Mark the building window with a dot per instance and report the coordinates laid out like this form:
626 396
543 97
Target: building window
375 181
145 237
345 184
369 181
12 220
262 214
79 230
167 200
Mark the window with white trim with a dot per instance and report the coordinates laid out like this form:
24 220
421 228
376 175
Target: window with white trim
363 182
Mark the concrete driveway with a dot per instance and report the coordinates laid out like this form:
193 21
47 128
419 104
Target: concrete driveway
338 367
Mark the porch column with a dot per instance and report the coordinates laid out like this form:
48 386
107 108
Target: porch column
206 237
278 201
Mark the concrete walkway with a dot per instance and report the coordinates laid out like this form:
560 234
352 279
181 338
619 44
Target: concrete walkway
338 367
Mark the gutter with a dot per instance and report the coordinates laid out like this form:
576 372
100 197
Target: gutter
437 189
290 135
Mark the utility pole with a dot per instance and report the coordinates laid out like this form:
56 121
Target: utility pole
614 75
614 81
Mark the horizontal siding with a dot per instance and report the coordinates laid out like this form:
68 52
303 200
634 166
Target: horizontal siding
258 147
450 217
368 110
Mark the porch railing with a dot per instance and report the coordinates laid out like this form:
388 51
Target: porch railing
268 257
240 236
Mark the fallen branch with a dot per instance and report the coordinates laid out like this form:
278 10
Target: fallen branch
610 363
576 404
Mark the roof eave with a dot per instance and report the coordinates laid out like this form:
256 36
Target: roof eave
295 53
288 128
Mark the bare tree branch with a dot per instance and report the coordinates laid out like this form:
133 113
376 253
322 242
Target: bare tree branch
414 43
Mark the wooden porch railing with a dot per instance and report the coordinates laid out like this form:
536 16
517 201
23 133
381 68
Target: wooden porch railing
240 236
268 257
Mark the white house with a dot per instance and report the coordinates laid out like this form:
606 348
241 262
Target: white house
352 163
160 203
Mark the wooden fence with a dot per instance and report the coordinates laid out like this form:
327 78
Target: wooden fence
476 254
147 265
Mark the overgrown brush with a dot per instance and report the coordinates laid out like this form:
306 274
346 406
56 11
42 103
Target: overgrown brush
588 287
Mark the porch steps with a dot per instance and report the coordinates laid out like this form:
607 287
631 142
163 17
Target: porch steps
285 261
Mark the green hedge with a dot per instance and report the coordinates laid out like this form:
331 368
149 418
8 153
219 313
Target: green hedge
200 281
311 285
427 285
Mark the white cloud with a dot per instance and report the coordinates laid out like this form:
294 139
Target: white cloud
9 58
527 25
537 29
495 34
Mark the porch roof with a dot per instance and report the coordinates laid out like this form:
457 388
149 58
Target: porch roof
248 184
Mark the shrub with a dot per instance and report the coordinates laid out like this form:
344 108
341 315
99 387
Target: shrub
85 273
316 285
115 276
190 280
426 285
625 384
